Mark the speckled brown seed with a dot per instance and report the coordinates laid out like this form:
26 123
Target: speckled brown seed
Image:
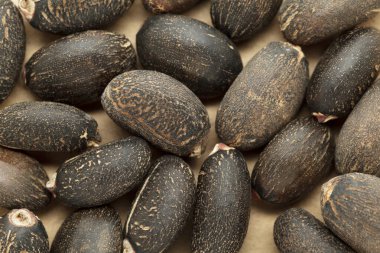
12 47
223 203
101 175
298 231
161 208
264 98
90 230
160 109
70 16
169 6
308 22
242 19
22 183
350 208
295 161
358 143
347 69
77 68
47 126
22 231
196 54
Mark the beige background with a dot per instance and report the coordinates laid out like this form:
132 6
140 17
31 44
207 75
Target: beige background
259 238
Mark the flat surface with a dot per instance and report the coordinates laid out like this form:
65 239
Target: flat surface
259 238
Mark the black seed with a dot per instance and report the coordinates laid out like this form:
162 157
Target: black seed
198 55
223 203
104 174
161 208
264 98
160 109
47 126
169 6
90 230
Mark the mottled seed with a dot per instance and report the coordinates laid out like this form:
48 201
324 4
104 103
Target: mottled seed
196 54
169 6
47 126
160 109
264 98
161 208
350 208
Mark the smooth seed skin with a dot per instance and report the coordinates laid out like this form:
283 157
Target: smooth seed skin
196 54
47 126
168 6
104 174
22 182
222 208
71 16
298 231
308 22
294 162
358 143
160 109
347 69
265 97
20 237
96 230
161 208
242 19
12 47
77 68
350 209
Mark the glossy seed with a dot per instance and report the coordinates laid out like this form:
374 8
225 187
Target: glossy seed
264 98
241 20
90 230
311 21
222 208
70 16
12 47
161 208
102 175
298 231
22 231
169 6
22 183
160 109
196 54
47 126
358 143
291 165
77 68
347 69
350 208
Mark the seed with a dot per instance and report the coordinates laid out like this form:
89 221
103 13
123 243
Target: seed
169 6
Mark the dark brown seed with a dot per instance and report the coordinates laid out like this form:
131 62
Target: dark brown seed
22 231
70 16
293 163
310 21
298 231
223 203
264 98
358 143
196 54
12 47
160 109
104 174
347 69
161 208
22 183
90 230
241 20
77 68
350 208
47 126
169 6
